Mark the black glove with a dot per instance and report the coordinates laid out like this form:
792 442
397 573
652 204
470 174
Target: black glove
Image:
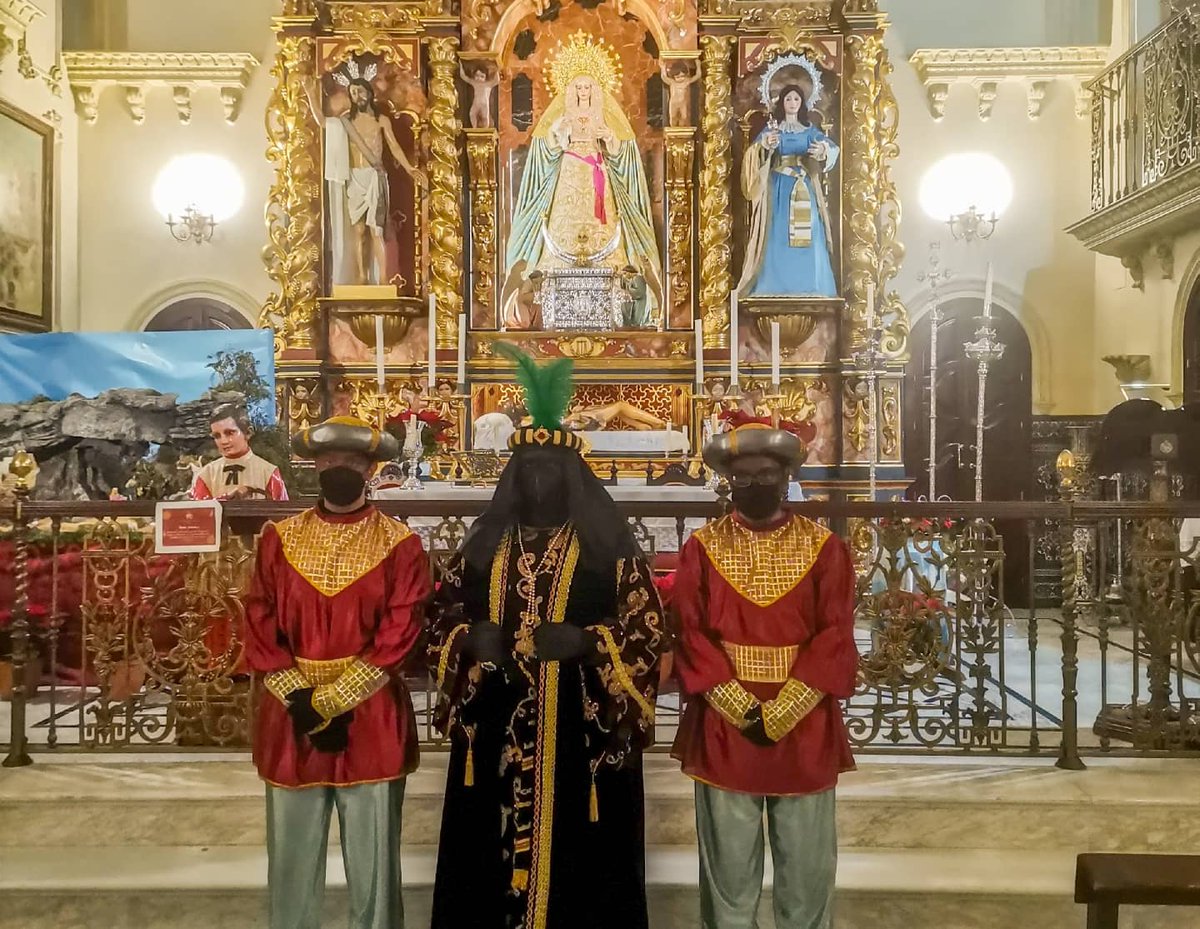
300 708
756 732
335 737
562 642
485 643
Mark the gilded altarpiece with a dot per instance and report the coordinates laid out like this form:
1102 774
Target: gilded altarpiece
591 179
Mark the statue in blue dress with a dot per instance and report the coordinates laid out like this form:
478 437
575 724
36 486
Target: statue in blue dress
788 251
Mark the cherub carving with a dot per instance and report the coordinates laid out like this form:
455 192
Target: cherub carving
678 80
482 84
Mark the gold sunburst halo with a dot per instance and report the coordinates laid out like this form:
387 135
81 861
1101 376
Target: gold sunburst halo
581 54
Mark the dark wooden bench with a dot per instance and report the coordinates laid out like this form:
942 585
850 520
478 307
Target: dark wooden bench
1106 882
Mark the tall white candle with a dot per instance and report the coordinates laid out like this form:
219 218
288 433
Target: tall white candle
462 350
734 347
775 358
380 374
987 294
871 307
670 436
699 352
432 341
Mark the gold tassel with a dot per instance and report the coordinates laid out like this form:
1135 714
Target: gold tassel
469 772
594 804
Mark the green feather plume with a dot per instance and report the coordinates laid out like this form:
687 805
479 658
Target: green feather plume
548 387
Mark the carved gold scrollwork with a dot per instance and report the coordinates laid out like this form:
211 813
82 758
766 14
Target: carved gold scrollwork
889 420
790 23
482 146
381 17
292 255
365 401
856 409
874 251
681 154
445 174
716 221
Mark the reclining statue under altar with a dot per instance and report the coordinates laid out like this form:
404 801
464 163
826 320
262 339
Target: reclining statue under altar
582 232
647 434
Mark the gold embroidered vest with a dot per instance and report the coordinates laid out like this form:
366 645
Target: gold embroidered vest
763 566
333 555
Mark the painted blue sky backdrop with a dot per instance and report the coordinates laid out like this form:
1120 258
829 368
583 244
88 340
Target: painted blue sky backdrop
58 364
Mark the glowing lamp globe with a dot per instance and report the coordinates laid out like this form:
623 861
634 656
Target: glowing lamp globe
206 184
970 191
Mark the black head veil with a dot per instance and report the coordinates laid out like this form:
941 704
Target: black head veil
604 534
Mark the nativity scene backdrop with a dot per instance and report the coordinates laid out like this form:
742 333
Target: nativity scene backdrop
692 202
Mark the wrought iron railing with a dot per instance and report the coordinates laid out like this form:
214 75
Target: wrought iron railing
110 647
1146 113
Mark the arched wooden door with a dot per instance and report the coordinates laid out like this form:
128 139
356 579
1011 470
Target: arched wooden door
193 313
1191 350
1008 420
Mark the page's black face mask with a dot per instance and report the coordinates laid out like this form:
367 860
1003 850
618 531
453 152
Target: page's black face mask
758 501
341 485
542 486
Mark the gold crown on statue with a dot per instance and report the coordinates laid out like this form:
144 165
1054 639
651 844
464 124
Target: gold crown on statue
583 54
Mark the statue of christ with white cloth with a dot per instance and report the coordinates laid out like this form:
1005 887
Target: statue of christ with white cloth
356 177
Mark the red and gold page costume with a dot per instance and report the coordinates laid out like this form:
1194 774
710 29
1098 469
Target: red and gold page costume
765 616
336 604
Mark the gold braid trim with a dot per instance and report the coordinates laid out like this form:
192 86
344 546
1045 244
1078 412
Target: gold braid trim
538 904
732 701
795 701
499 579
445 650
359 682
622 672
281 683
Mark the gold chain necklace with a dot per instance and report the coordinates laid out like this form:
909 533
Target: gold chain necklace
527 585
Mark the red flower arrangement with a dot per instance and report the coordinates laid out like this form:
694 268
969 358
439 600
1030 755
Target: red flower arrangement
805 431
436 435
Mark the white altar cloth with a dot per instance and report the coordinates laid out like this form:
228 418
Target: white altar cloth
652 442
442 492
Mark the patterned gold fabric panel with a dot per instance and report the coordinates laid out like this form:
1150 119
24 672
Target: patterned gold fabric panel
732 701
356 684
319 672
795 701
332 556
763 566
282 683
762 664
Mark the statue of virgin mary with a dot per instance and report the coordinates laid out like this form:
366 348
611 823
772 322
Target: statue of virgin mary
788 246
583 200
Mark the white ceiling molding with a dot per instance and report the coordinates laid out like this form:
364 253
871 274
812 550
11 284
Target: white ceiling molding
985 69
16 16
181 73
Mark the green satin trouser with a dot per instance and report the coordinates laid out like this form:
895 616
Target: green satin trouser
803 835
298 840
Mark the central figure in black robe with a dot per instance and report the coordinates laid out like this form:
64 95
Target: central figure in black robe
547 632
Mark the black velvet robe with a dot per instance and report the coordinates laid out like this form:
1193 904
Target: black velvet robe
527 841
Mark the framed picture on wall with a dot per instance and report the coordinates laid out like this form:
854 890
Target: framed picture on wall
26 221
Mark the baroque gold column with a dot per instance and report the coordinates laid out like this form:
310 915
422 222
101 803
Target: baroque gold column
681 157
716 221
873 250
445 189
482 146
293 213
